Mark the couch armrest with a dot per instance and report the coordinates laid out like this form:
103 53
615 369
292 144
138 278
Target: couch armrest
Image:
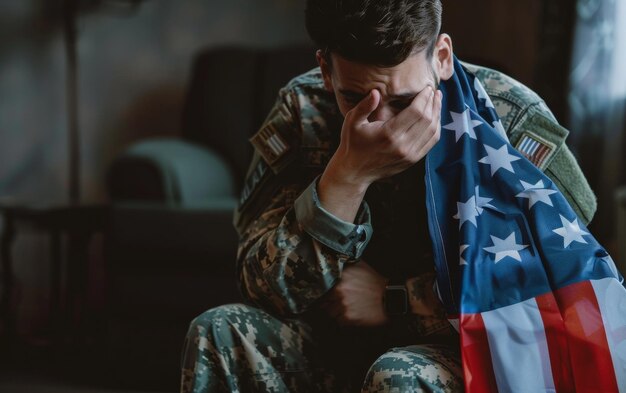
171 171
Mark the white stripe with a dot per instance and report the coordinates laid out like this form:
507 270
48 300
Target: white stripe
533 147
274 141
611 298
519 349
522 146
280 142
273 146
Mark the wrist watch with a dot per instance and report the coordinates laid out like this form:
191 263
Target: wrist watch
396 300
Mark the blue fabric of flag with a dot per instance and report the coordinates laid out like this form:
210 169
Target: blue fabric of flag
502 233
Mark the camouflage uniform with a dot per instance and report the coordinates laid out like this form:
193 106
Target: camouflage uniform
292 252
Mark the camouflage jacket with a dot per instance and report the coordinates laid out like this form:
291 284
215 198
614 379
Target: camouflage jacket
292 251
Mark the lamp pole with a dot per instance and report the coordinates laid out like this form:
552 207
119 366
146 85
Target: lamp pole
71 88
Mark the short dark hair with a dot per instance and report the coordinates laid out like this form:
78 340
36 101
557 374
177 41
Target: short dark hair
379 32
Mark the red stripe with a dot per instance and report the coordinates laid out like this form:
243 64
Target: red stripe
536 154
541 153
557 343
591 361
477 368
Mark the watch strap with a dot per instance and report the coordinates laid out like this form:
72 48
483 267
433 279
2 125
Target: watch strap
396 300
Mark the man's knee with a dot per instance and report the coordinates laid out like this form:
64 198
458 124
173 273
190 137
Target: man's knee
219 323
215 352
413 369
240 348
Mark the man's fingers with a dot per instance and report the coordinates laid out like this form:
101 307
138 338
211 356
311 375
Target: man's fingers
419 130
365 107
415 111
426 134
428 109
435 125
437 106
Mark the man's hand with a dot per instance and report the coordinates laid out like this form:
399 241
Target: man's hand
370 151
357 300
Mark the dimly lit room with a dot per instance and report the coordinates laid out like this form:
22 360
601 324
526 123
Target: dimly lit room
312 196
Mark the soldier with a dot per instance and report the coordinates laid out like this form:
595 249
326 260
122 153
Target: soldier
334 257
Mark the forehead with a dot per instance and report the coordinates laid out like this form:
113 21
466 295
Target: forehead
410 76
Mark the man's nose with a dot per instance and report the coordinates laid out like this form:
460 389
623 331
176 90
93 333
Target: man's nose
382 113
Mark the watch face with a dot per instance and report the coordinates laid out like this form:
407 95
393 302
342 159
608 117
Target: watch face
396 302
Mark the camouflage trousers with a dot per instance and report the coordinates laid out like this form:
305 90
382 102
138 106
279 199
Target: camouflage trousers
238 348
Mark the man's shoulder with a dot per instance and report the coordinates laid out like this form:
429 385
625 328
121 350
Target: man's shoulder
499 85
295 135
301 124
510 97
310 80
314 109
307 91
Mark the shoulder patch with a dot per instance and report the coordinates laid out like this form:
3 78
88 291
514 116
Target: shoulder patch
274 142
536 149
270 144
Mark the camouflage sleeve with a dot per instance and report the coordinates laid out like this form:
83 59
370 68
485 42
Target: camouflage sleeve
538 127
291 251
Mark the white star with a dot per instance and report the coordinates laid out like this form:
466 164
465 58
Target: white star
570 231
482 94
462 123
505 248
462 248
482 202
500 129
536 193
498 158
467 212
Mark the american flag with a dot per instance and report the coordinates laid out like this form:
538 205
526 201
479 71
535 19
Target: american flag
539 304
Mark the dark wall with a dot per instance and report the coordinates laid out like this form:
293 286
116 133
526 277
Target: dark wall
530 40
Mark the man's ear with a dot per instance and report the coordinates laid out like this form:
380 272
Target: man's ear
326 71
443 57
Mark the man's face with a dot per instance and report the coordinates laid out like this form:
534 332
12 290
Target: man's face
398 85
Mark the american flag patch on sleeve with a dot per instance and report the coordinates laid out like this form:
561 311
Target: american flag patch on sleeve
270 144
535 149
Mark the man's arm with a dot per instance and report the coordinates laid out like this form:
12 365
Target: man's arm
370 151
291 250
281 268
562 167
294 251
